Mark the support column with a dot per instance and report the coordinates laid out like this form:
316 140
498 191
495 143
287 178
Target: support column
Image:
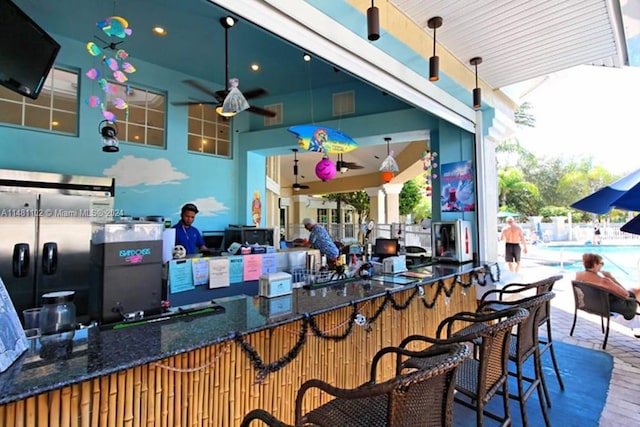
376 204
298 211
392 192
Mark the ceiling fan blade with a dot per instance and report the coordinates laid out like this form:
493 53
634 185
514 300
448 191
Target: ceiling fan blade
350 165
194 103
301 186
221 95
203 88
261 111
254 93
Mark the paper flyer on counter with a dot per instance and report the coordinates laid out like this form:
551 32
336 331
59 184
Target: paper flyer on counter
219 273
252 267
180 276
200 267
269 263
236 268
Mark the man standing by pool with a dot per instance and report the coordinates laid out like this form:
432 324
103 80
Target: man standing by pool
513 236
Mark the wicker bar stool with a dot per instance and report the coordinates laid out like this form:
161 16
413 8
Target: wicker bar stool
413 397
523 347
484 375
546 343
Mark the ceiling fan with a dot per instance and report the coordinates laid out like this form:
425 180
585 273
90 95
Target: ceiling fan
296 186
220 95
343 167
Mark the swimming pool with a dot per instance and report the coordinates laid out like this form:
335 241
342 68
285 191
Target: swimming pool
621 261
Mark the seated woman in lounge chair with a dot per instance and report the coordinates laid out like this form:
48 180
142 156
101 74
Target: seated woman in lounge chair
625 300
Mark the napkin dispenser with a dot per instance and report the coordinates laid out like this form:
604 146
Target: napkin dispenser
394 264
275 284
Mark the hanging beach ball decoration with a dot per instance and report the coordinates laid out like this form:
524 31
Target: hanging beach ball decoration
325 169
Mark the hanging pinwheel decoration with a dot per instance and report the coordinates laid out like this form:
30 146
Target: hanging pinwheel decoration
117 65
429 166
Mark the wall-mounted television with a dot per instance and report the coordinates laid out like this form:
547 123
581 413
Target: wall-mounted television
27 52
386 247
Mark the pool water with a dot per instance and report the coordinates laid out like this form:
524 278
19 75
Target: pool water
621 261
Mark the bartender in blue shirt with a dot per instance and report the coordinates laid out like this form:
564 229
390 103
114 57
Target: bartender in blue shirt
186 234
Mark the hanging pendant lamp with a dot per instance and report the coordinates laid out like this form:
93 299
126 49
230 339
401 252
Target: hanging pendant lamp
477 93
373 22
434 61
226 22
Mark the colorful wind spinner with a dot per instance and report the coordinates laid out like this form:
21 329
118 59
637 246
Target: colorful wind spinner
117 65
429 166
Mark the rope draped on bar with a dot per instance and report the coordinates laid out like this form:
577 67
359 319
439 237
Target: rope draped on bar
308 321
197 368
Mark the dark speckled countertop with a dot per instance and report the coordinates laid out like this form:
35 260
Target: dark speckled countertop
97 351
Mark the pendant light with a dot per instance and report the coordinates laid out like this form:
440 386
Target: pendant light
477 93
226 22
434 61
389 165
373 22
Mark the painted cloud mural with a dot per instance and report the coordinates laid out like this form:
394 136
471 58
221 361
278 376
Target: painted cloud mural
130 171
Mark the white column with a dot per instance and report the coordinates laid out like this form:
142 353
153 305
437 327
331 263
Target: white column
376 204
392 192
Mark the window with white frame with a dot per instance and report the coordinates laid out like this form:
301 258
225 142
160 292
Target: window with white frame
323 216
144 121
55 110
208 132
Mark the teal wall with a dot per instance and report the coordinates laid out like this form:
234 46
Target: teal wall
453 145
158 181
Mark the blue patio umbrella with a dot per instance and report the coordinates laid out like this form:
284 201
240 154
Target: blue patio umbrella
632 226
622 194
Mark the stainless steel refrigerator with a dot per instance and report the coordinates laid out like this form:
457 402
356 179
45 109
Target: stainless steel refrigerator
45 224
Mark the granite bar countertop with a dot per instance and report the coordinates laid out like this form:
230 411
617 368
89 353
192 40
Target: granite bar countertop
97 351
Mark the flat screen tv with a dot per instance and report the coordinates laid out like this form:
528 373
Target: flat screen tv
386 248
27 52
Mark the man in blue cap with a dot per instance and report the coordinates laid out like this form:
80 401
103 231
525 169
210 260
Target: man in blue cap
187 235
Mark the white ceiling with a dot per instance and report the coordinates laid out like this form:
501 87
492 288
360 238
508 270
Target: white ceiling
519 40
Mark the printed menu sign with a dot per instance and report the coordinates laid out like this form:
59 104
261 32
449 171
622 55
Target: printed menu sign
252 267
236 268
180 276
219 273
200 267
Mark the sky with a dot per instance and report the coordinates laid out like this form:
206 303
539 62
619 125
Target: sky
585 111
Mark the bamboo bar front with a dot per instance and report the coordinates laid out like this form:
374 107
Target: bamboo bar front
218 384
